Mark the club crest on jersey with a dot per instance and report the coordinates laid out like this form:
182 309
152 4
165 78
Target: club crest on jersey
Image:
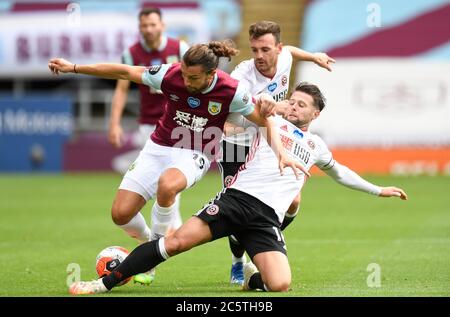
212 210
172 59
311 144
298 134
272 87
284 80
193 102
154 69
227 180
214 107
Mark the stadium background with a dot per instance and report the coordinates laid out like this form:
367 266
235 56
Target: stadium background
387 118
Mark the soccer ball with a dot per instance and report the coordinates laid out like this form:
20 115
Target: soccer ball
110 258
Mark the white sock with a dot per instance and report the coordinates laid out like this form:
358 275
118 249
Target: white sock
235 260
161 220
176 214
137 228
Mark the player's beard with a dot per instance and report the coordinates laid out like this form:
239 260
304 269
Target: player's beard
261 66
294 120
151 38
197 90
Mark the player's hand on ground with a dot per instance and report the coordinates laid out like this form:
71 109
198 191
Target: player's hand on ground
267 105
393 192
58 65
285 161
115 135
323 60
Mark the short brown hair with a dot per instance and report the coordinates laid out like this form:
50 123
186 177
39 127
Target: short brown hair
149 10
314 92
207 55
261 28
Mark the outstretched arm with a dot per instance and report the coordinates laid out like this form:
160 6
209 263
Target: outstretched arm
345 176
109 71
321 59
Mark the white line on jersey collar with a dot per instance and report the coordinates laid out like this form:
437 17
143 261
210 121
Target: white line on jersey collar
213 84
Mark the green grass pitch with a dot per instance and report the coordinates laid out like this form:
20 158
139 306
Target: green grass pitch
49 221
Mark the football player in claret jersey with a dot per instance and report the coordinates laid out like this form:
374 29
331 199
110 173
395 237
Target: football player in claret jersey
153 48
251 212
266 73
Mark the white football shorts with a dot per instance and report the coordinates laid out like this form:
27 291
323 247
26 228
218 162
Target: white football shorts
143 174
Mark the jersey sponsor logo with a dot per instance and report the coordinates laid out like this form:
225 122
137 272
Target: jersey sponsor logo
280 96
193 102
298 134
174 97
195 123
154 69
214 107
284 128
272 87
287 142
172 59
212 210
311 144
302 153
284 80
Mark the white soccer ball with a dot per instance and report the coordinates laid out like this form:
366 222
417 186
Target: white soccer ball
110 258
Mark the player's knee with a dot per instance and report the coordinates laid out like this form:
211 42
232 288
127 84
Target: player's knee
166 188
279 285
175 245
120 214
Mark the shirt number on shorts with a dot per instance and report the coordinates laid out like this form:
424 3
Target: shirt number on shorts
278 233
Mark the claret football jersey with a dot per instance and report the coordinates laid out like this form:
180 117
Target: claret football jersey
195 120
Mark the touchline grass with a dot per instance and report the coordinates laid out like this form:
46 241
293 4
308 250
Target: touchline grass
343 243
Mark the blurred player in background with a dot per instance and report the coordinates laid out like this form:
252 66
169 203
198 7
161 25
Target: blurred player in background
153 48
267 72
249 211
